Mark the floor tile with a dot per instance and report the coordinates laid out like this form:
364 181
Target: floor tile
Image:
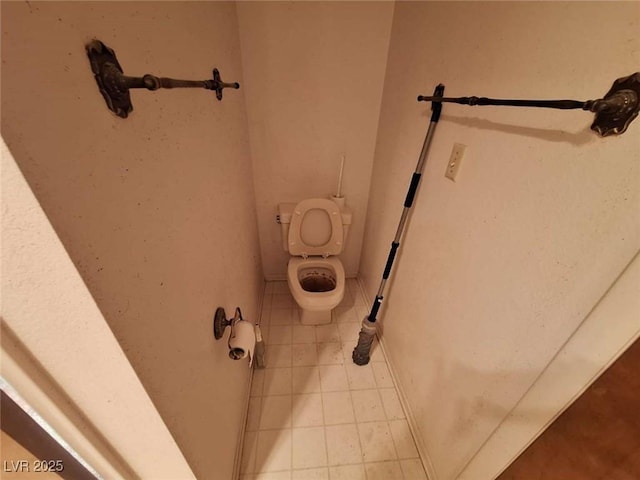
265 313
349 331
249 452
304 334
347 472
377 355
412 469
402 438
359 300
279 287
282 301
311 474
330 354
278 356
391 403
306 380
347 351
347 300
315 415
345 314
333 378
362 311
343 444
327 333
383 470
282 316
304 355
307 410
279 335
264 331
382 375
337 407
367 406
309 447
360 376
276 412
253 414
273 451
257 382
277 381
376 441
273 476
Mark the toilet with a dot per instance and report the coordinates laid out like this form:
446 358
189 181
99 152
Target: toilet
314 232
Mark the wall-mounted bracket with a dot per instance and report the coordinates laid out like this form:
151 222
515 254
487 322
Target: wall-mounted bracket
114 85
220 321
614 113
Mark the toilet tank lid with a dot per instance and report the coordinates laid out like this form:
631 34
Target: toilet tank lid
285 210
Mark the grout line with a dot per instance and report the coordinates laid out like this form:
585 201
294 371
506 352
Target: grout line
349 390
237 461
324 426
423 455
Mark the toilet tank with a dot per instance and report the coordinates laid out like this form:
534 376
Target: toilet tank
285 210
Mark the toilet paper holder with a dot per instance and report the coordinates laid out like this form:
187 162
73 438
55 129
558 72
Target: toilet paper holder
220 321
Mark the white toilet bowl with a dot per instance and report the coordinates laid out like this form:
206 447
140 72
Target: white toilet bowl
314 232
317 285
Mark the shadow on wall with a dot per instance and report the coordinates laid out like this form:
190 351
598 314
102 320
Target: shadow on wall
477 417
579 138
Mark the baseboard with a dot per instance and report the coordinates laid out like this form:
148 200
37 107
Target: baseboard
275 278
422 451
237 462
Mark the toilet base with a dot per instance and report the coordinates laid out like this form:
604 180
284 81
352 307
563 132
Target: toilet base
308 317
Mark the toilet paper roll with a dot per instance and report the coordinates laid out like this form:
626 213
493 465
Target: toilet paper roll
242 341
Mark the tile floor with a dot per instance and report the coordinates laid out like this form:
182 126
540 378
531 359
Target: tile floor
313 413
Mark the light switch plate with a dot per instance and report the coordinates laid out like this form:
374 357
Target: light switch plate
453 167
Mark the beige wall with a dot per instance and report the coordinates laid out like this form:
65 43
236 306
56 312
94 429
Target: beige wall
606 333
156 211
314 73
58 353
498 269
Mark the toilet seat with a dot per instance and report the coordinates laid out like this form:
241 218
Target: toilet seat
297 245
316 301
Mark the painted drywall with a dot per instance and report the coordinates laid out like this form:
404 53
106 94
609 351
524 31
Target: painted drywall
611 327
498 269
314 73
59 354
156 211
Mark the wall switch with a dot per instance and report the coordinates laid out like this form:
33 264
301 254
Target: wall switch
453 167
